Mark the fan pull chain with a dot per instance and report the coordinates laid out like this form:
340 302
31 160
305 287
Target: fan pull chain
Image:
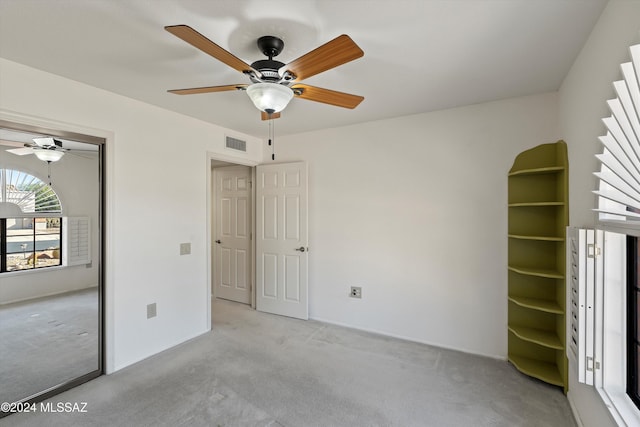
49 171
272 138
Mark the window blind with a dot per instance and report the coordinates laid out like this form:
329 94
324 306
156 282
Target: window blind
619 176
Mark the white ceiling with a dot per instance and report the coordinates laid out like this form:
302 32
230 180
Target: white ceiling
420 55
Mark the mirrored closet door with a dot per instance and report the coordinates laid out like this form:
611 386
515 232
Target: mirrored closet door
50 261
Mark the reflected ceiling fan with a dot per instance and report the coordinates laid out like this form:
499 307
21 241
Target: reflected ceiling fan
47 149
273 83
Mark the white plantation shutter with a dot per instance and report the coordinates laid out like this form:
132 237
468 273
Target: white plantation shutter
619 176
582 251
76 241
597 269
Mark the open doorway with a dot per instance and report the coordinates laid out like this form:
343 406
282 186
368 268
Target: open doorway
219 167
270 212
232 223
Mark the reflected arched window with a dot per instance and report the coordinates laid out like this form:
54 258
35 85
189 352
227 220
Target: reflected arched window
27 192
30 223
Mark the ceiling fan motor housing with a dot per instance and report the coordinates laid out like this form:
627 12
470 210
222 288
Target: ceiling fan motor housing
270 46
269 70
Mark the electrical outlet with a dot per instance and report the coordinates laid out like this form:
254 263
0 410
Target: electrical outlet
356 292
151 310
185 248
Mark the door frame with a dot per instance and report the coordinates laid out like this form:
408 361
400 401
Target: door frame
210 229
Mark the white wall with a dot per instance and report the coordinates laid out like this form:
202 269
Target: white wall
75 181
157 169
582 106
414 210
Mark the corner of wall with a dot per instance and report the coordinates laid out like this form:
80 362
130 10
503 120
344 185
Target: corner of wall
582 105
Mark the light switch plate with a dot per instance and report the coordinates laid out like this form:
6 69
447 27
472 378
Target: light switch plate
151 310
185 248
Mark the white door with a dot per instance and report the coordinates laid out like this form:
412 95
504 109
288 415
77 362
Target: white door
232 237
281 239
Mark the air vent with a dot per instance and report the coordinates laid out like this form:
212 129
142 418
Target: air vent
236 144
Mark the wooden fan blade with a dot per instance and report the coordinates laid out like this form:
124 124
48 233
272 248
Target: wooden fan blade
11 143
206 89
326 96
336 52
266 116
199 41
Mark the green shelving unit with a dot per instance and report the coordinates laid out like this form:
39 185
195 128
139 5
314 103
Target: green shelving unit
538 216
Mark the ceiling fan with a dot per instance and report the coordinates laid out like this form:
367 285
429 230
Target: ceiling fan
47 149
273 83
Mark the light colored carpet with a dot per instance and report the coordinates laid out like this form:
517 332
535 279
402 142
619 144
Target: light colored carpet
47 341
256 369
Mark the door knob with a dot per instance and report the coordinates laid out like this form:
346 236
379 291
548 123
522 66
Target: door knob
218 241
301 249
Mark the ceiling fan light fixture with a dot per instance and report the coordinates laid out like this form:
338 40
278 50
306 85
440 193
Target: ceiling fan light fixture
269 97
49 155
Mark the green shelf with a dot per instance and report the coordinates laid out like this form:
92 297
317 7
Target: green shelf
538 336
539 272
538 214
545 371
537 304
537 171
534 204
542 238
